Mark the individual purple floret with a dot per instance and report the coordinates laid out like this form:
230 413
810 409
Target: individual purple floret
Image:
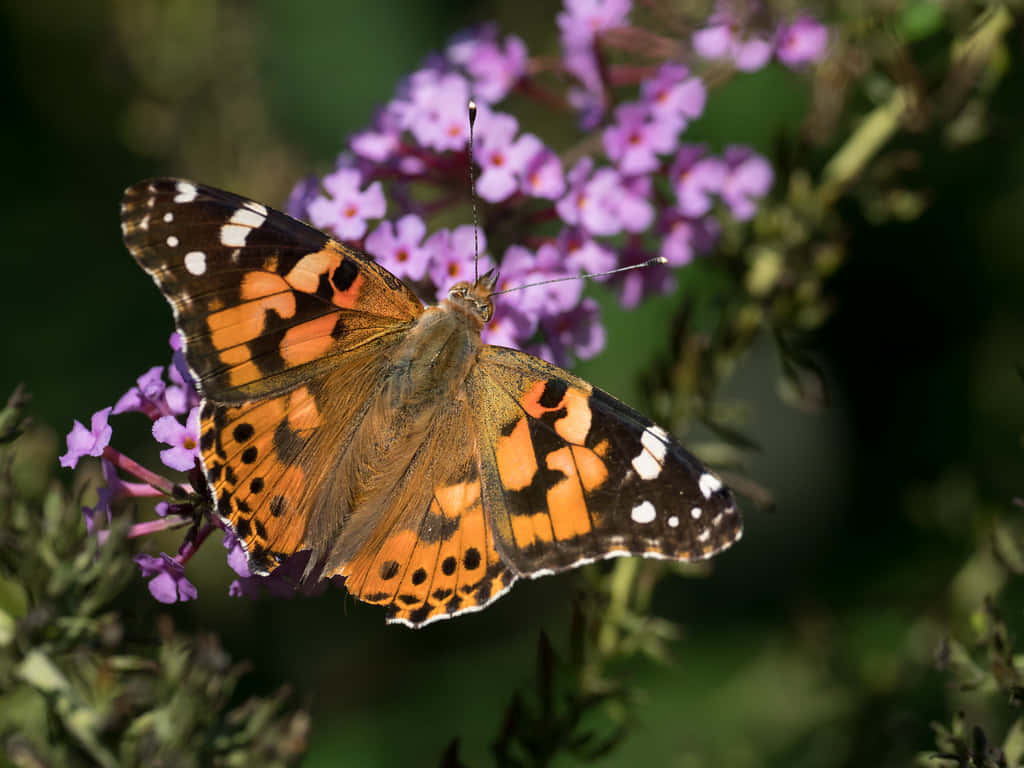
577 332
674 93
167 578
452 255
88 442
748 176
397 247
493 67
184 440
696 177
636 138
347 208
723 38
802 42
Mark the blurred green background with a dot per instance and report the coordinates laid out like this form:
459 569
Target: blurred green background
810 643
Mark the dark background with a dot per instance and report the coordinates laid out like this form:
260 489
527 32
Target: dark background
810 643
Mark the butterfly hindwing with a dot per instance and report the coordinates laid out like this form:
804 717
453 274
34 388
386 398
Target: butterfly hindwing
574 475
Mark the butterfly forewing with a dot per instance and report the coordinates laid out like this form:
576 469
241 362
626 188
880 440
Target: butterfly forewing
263 301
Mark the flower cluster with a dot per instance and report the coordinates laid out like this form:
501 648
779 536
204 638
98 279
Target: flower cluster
647 193
603 213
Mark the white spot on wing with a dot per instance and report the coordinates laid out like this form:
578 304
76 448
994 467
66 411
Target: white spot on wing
695 513
673 522
643 513
247 218
195 262
186 192
172 241
168 217
233 236
709 484
704 535
648 462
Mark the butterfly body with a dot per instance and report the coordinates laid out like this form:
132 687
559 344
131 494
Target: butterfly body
343 417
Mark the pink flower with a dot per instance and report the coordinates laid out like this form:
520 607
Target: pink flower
88 442
802 42
184 440
347 208
397 247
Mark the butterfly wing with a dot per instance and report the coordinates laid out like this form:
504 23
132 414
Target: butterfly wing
284 330
573 475
541 473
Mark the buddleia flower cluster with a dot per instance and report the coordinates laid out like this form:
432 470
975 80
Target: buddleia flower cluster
641 191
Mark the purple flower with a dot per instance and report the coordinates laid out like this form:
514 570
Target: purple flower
88 442
184 440
577 331
590 100
720 39
632 206
499 158
582 20
542 175
590 201
436 110
146 396
634 140
685 237
748 176
520 267
495 69
695 178
167 578
397 247
583 254
381 142
802 42
673 93
452 254
303 193
638 284
510 326
346 210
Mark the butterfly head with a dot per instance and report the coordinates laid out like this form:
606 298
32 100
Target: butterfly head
475 298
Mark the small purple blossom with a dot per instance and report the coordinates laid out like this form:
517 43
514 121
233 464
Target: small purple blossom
305 191
520 267
435 111
577 331
452 254
636 138
638 284
167 578
721 39
685 237
695 178
347 208
802 42
748 176
397 247
494 68
583 254
590 202
583 20
674 93
88 442
184 440
510 326
499 157
542 175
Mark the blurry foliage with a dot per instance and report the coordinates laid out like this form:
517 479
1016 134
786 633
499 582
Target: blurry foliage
76 688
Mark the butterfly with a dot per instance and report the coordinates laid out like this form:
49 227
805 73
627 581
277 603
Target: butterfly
341 416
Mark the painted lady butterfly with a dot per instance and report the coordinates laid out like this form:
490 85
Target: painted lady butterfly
343 417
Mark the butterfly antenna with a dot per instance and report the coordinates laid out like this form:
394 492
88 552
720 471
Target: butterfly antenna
472 194
648 263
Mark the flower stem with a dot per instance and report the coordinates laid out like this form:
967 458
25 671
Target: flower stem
121 461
